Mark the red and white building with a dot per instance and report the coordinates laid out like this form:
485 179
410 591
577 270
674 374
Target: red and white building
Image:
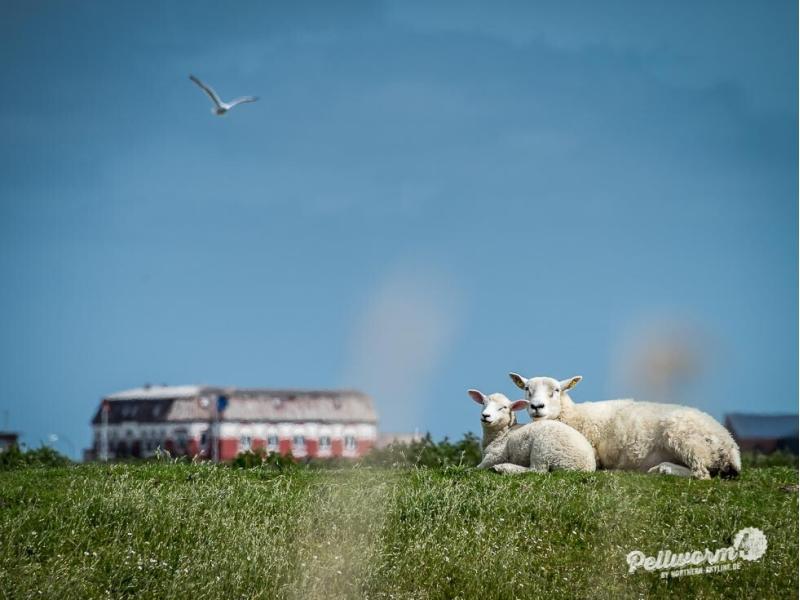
184 420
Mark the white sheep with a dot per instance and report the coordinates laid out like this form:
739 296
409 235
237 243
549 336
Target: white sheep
640 436
539 447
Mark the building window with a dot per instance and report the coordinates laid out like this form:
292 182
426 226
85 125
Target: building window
244 443
325 443
350 443
181 439
299 443
272 442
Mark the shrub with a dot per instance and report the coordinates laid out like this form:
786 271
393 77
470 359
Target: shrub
778 458
422 453
261 458
14 458
427 453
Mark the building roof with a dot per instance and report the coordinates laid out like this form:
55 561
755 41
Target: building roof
157 392
196 403
748 426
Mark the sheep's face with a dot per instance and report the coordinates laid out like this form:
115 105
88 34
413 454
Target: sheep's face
544 394
498 411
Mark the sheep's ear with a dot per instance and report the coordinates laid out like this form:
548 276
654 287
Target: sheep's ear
479 397
518 380
519 404
570 383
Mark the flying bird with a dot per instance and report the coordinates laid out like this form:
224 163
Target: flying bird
220 107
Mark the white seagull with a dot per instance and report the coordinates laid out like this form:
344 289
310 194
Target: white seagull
220 107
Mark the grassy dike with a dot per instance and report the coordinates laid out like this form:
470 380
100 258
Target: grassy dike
200 531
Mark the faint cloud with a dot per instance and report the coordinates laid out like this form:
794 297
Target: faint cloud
404 332
660 358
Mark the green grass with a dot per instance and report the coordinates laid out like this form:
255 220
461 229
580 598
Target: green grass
199 531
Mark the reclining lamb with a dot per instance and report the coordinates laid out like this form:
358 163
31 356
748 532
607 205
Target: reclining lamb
640 436
539 447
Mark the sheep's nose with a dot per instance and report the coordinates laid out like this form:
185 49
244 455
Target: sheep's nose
539 406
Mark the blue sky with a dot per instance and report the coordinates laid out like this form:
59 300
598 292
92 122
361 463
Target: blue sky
427 196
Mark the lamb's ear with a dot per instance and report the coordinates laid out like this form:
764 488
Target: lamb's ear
518 380
519 404
570 383
479 397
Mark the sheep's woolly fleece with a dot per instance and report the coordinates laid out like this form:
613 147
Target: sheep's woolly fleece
540 447
641 436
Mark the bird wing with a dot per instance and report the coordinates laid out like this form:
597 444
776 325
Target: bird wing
211 93
242 100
